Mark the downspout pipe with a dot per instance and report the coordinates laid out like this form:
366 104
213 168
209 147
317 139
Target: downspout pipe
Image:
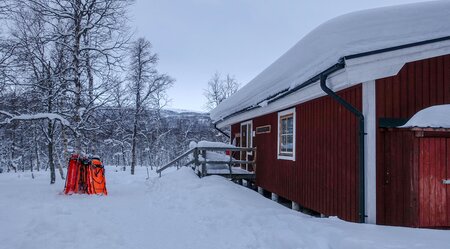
323 85
224 133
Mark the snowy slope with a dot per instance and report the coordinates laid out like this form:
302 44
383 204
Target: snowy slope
178 210
349 34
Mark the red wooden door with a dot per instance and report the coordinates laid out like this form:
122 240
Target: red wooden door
397 186
433 191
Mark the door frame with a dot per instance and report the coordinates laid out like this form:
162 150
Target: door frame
249 137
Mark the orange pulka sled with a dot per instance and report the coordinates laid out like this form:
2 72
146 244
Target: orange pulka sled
85 176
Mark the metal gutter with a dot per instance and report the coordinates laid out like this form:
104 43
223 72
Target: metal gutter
224 133
361 133
384 50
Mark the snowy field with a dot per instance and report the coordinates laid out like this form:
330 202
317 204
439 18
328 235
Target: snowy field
178 210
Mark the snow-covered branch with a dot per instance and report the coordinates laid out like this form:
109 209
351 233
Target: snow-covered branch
29 117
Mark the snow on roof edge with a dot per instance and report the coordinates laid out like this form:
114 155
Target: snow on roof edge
337 38
437 116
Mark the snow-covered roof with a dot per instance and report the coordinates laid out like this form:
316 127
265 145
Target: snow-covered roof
437 116
350 34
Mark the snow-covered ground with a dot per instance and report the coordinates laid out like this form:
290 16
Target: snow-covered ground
178 210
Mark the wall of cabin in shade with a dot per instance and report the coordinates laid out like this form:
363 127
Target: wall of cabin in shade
418 85
324 176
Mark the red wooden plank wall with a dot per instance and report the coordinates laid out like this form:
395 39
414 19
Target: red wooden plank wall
324 176
400 154
418 85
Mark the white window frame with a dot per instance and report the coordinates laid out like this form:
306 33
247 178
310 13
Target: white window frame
294 123
249 125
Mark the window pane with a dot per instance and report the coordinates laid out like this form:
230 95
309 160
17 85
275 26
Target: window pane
290 127
244 135
283 143
290 143
286 131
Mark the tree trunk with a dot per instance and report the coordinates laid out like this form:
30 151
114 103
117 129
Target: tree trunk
13 150
66 145
51 162
76 73
60 168
133 144
36 152
32 164
150 157
90 77
123 158
141 157
50 128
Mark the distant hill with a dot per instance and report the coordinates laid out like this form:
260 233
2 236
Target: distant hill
182 119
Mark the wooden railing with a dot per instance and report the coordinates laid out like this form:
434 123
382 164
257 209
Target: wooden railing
176 160
200 163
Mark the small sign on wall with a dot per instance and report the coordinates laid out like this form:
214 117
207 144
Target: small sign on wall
263 129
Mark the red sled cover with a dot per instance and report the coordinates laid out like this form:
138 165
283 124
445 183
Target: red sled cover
73 175
85 176
96 178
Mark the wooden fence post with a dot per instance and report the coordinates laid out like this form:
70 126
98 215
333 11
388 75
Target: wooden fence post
196 161
204 163
229 164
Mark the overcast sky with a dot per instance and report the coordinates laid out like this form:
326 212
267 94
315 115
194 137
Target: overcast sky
195 38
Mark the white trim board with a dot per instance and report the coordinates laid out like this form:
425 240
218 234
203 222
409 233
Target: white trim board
249 125
370 150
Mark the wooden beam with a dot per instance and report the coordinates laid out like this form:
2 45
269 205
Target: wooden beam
226 148
232 162
175 160
236 176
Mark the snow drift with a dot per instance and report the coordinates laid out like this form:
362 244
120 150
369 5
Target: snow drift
178 210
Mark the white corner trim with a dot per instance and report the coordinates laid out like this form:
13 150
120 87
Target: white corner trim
250 122
294 121
370 164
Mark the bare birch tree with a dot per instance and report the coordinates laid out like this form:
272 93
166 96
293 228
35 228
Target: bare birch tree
96 35
219 89
145 85
40 56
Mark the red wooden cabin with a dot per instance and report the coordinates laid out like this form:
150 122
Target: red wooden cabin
325 116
